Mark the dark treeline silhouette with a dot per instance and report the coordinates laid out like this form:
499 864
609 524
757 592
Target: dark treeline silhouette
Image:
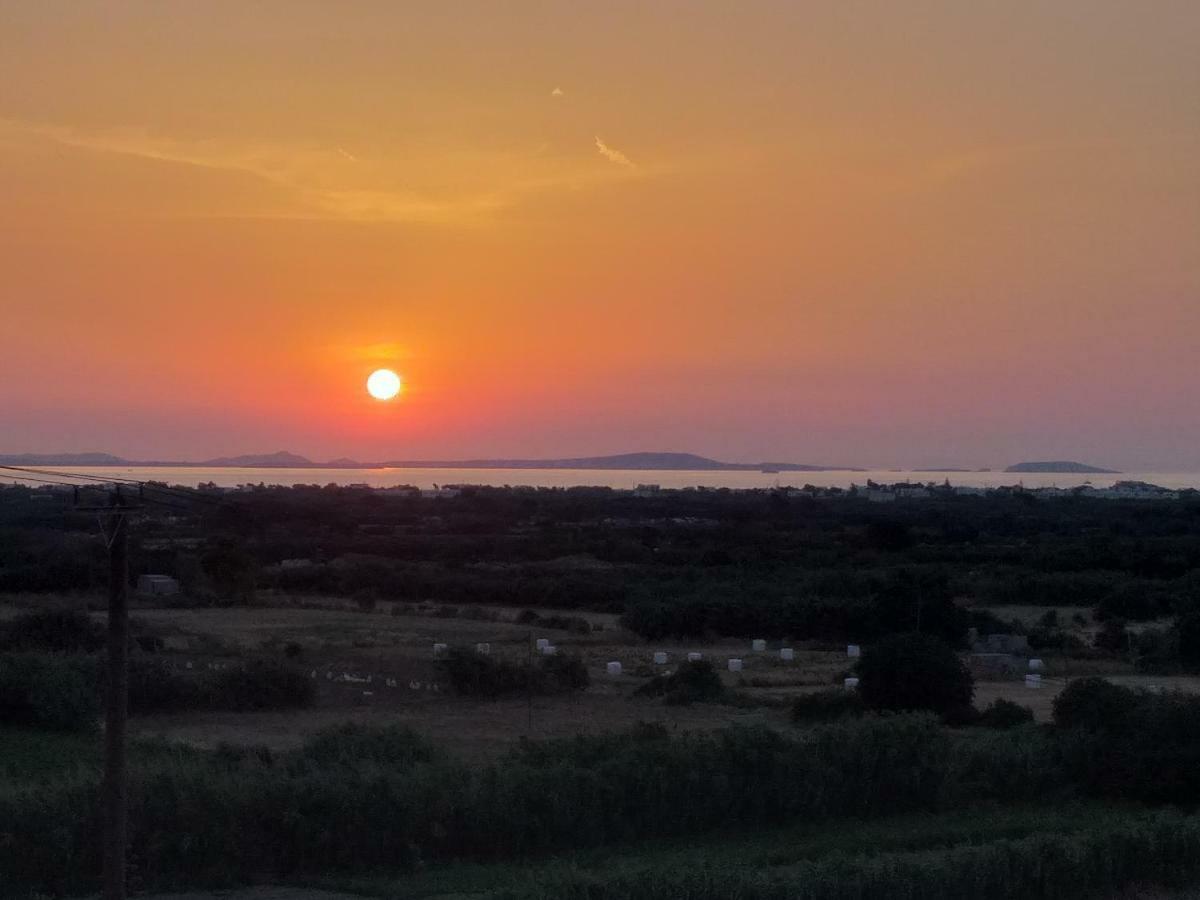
690 562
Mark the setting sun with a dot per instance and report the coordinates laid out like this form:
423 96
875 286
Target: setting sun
383 384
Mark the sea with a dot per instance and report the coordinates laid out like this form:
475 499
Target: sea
427 478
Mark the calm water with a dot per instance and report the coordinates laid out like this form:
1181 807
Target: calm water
616 478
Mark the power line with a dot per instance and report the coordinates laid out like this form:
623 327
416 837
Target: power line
181 493
16 478
155 500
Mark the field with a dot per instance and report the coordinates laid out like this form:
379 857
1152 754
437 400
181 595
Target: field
337 640
294 725
391 645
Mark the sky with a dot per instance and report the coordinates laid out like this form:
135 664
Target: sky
850 233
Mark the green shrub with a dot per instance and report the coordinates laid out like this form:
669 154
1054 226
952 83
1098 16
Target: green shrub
53 631
1131 744
157 687
562 672
914 672
1094 703
1112 637
259 684
48 691
475 674
1157 650
827 705
695 681
1003 713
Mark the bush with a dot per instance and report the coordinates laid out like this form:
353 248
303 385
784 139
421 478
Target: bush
259 685
1112 637
914 672
52 631
1157 650
1187 637
1003 713
156 687
474 674
1133 745
827 705
563 672
55 692
1093 703
695 681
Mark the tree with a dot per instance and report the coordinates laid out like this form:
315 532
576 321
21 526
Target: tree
230 570
914 671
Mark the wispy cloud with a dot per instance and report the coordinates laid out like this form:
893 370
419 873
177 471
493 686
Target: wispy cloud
557 92
316 181
612 155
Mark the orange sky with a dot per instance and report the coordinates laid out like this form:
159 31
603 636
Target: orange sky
866 233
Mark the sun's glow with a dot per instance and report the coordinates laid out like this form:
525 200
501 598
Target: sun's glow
383 384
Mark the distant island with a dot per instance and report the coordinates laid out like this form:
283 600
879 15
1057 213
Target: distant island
282 459
1060 467
650 462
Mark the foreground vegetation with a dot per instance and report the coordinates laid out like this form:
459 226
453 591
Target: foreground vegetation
355 800
979 852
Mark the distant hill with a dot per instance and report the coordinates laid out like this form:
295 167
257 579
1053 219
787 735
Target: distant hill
644 461
1060 467
61 459
278 460
284 460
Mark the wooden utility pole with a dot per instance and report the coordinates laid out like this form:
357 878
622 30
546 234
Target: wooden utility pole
114 520
117 704
529 685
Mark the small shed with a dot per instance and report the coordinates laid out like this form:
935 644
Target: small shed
151 585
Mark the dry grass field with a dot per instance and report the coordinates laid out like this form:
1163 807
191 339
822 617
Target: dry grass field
378 667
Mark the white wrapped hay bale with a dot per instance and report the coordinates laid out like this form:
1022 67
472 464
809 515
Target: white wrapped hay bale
543 643
758 645
660 657
613 668
483 648
1035 665
853 650
787 654
1033 681
695 657
850 683
735 665
439 651
549 650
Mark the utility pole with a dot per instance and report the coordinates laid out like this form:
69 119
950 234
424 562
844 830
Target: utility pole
114 799
529 685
